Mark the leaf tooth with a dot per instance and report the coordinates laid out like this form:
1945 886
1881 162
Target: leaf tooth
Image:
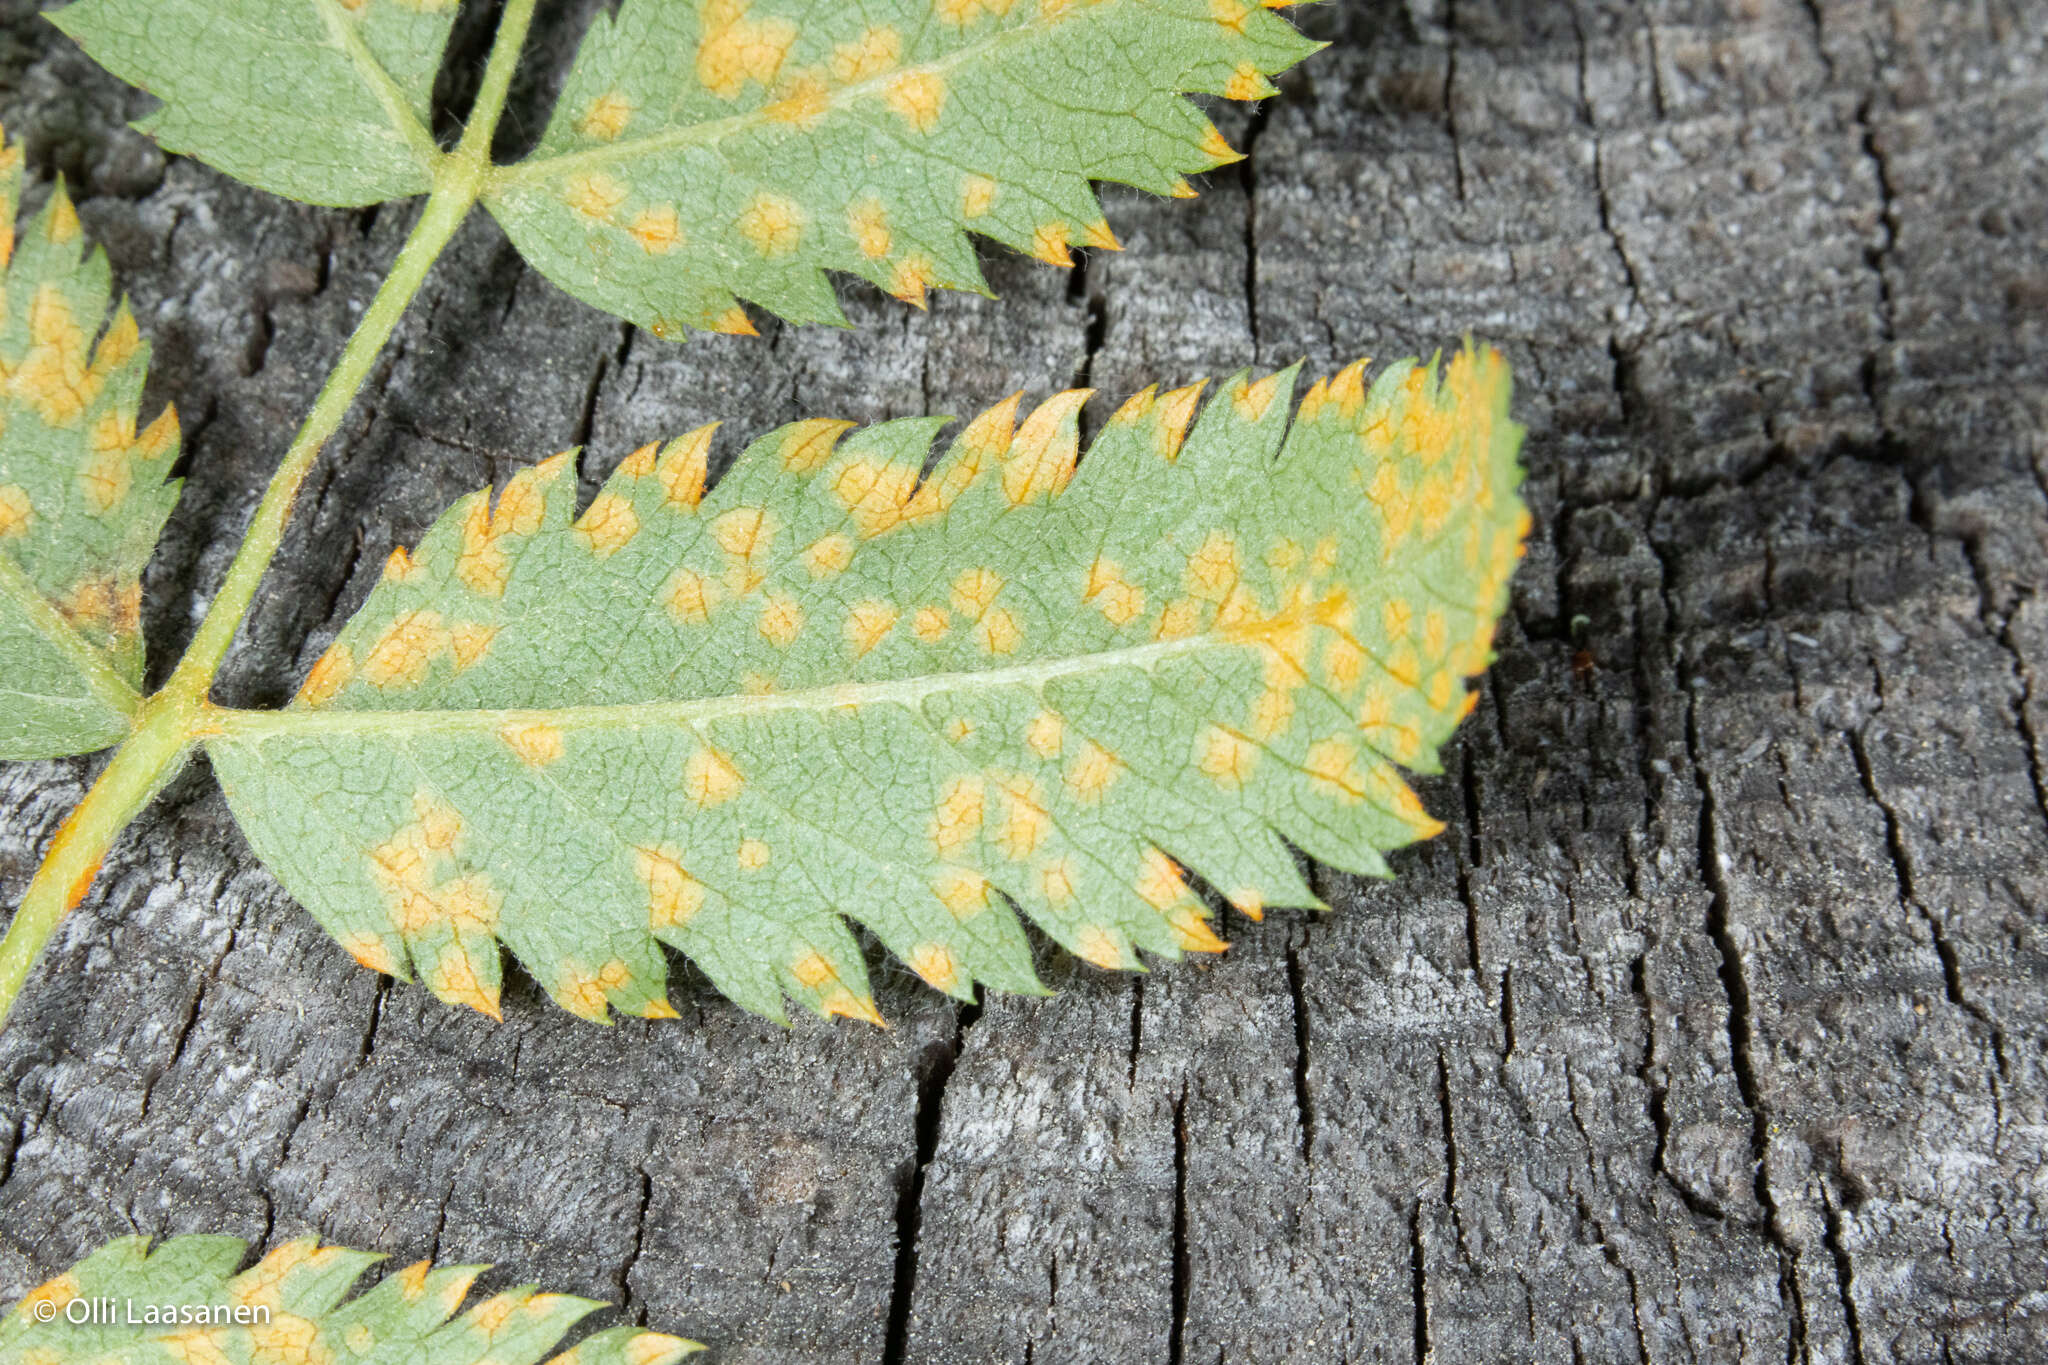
684 464
1046 449
1176 412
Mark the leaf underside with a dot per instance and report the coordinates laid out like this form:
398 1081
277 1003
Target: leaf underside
704 152
325 101
83 496
289 1307
827 689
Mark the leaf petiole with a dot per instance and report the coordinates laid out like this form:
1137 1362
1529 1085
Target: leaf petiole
165 724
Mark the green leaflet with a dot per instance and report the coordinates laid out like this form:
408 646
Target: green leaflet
82 495
707 151
288 1307
710 148
828 689
321 100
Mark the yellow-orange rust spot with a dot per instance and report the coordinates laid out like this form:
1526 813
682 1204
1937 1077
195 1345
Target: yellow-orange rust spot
641 462
1226 757
673 895
974 590
1045 733
960 13
957 817
482 562
534 745
1098 234
1342 665
1159 883
1231 14
1024 822
658 230
607 524
594 195
917 97
81 884
63 226
958 730
1217 150
586 993
735 322
962 891
1396 617
911 278
875 492
1176 412
930 624
372 951
454 978
774 224
1330 766
1253 400
1247 83
689 597
868 223
1272 712
1212 568
1191 928
1098 945
867 624
683 466
406 649
813 970
52 377
977 196
828 555
709 778
801 102
1056 881
1136 408
330 673
782 620
936 964
734 49
400 566
805 446
1045 449
1179 619
1091 773
997 632
1441 689
1049 243
753 854
875 51
1250 902
16 510
606 117
58 1293
1118 599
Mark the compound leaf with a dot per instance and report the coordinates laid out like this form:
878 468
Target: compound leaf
83 496
830 689
707 149
325 101
184 1303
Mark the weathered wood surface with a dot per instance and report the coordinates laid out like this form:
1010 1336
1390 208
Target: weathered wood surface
1714 1030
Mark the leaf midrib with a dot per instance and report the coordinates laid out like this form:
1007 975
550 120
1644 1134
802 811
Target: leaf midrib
381 84
233 724
712 131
